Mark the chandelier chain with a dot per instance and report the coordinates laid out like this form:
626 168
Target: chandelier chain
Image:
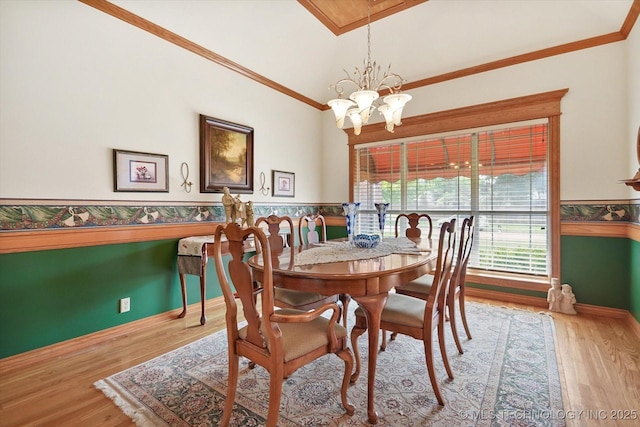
368 32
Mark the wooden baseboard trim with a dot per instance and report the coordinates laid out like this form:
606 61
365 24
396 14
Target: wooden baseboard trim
633 324
596 310
29 358
542 302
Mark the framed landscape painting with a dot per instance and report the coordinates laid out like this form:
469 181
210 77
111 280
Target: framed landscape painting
226 156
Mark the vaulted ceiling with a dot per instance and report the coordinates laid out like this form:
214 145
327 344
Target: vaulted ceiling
301 47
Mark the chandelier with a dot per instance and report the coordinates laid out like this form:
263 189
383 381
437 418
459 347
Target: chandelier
368 84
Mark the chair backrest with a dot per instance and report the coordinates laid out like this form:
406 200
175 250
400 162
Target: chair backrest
241 279
467 230
277 240
309 223
442 272
274 223
414 231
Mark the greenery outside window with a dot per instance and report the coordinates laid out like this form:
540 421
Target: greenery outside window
499 175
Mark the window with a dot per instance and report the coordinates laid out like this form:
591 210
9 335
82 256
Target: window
538 109
498 175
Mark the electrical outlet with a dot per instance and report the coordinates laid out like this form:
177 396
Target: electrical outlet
125 305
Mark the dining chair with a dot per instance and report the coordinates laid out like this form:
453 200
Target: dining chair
282 340
289 298
414 230
307 232
416 317
421 287
309 223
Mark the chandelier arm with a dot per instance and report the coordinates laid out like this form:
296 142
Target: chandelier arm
392 87
339 88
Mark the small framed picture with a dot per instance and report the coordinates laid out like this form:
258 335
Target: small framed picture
136 171
284 184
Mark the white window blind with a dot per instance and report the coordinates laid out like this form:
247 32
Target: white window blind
498 175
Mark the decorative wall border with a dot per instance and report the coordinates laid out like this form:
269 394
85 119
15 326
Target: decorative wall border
56 215
608 211
29 225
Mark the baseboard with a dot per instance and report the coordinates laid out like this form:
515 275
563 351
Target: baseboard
633 324
63 348
594 310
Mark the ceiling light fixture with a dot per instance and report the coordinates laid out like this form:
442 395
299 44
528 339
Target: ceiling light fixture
360 104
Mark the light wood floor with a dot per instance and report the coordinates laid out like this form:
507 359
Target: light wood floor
599 361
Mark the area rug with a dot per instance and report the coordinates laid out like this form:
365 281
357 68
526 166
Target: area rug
508 376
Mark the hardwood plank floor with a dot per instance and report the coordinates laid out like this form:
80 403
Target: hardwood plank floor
599 360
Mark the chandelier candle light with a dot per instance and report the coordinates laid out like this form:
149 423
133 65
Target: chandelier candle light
360 105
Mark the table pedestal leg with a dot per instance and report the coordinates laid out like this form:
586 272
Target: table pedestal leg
372 306
183 285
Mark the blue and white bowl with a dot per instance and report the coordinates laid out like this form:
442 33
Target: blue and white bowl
367 241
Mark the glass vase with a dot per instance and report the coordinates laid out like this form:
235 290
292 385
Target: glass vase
382 216
350 211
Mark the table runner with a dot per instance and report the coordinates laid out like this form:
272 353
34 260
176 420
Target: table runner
190 254
328 252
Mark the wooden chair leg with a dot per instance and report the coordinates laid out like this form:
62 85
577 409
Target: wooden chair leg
347 356
275 394
231 391
355 333
463 314
383 345
428 351
443 350
454 328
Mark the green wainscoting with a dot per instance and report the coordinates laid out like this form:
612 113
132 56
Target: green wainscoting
51 296
48 297
598 269
635 279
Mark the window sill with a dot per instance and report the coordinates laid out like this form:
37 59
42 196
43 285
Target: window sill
508 280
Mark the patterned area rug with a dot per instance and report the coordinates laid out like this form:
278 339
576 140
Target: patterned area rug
507 376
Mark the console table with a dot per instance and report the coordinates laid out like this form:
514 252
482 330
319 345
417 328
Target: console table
193 254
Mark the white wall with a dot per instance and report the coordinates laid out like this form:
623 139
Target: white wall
76 83
594 131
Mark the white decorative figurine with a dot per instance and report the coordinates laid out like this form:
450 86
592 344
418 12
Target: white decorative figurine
554 296
567 301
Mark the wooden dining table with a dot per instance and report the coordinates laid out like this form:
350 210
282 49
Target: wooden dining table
367 281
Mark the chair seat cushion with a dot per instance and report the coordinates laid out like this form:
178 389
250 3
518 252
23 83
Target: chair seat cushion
301 338
421 285
296 298
402 310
